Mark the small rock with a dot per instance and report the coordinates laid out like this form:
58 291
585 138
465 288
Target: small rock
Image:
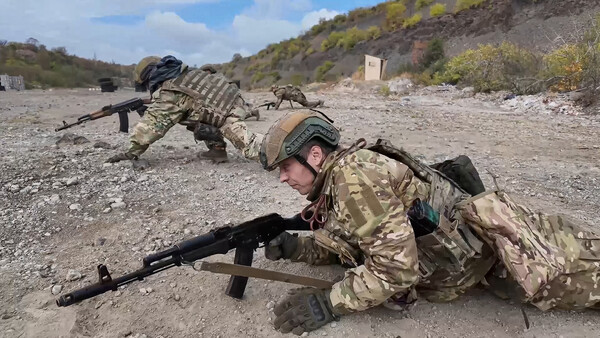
118 205
143 178
72 181
102 145
98 305
75 206
54 198
106 211
304 334
333 325
71 139
140 164
143 291
56 289
270 305
177 297
106 165
73 275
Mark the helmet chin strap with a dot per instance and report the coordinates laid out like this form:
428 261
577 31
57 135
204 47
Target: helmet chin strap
305 163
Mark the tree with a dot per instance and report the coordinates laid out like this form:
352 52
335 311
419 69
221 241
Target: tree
33 42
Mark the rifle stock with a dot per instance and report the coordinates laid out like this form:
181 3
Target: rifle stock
244 238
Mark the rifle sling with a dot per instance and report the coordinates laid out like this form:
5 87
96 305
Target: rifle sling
247 271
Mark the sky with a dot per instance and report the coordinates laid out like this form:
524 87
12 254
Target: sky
196 31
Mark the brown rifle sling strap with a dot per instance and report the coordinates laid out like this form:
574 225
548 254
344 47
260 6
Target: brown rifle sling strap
247 271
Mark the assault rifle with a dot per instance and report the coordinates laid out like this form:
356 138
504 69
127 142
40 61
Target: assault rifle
244 238
269 105
122 108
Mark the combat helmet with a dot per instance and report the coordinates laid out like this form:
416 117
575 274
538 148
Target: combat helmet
142 69
291 132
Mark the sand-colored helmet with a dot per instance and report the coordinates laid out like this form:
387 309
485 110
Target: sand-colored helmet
140 73
289 134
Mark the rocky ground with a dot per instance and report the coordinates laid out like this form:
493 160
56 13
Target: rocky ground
63 211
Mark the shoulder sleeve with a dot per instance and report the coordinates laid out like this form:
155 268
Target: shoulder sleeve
372 203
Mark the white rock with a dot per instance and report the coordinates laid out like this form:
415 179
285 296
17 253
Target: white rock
400 86
75 206
143 178
54 198
118 205
107 210
72 181
73 275
106 165
56 289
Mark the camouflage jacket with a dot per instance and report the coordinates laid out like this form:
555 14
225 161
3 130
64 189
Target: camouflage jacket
288 92
367 197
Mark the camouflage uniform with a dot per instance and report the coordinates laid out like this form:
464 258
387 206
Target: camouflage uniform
174 102
366 195
293 93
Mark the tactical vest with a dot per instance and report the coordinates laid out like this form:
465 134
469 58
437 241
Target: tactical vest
453 242
449 246
214 90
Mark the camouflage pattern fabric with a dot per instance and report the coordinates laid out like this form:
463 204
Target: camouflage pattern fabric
169 107
290 92
554 262
367 197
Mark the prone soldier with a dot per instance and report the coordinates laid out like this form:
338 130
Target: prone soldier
293 93
361 201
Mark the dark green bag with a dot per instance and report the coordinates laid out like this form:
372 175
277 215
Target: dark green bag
462 171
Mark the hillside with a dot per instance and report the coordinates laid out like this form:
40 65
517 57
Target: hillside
43 68
336 48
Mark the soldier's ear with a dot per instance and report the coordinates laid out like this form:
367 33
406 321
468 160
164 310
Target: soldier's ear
317 155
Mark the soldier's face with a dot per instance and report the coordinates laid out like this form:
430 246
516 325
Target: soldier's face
297 175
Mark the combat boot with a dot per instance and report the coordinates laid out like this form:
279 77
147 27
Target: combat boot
215 154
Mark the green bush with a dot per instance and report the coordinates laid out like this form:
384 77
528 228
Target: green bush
257 77
297 79
433 53
385 90
346 40
394 15
422 3
412 21
491 68
351 37
576 65
437 10
466 4
373 32
309 51
323 69
331 41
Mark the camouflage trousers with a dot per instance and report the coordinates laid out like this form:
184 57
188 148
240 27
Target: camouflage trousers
549 261
169 108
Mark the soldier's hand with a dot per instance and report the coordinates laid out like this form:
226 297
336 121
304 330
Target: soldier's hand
282 246
121 157
304 310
